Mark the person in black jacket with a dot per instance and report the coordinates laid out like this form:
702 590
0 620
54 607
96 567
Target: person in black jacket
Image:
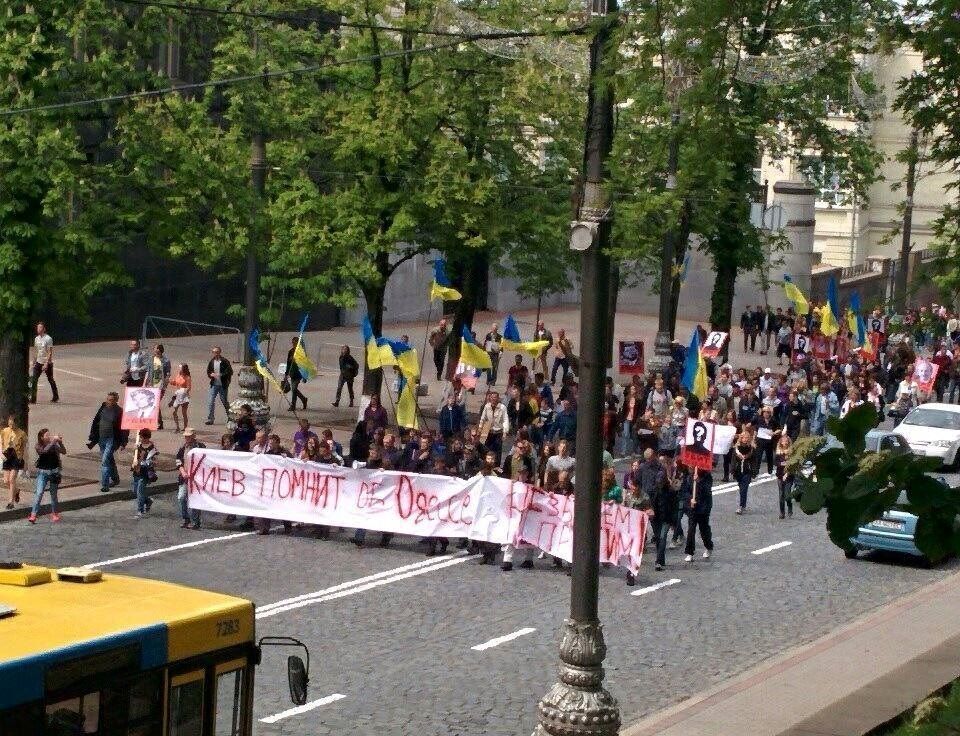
294 376
663 501
452 418
220 372
105 431
696 492
519 411
349 368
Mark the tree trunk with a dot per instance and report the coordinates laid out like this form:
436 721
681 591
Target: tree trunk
14 375
612 310
373 293
472 267
721 300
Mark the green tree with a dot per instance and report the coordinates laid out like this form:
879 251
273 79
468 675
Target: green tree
930 100
55 250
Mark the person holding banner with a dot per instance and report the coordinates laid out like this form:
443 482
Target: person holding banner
768 430
696 492
743 456
663 503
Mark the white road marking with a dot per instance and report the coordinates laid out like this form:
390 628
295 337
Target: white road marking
497 641
174 548
658 586
359 581
305 708
352 588
79 375
778 545
731 487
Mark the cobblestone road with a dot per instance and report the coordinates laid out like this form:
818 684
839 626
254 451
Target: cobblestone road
399 651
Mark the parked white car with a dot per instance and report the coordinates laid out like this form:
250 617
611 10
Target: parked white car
933 430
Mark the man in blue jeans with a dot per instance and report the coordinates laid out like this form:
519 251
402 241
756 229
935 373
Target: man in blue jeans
191 517
105 432
219 371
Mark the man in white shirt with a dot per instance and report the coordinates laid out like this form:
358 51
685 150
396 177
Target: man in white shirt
42 363
494 423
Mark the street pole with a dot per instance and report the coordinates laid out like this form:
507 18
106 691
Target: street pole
661 347
258 175
578 705
900 288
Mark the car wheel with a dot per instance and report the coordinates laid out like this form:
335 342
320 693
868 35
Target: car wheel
851 554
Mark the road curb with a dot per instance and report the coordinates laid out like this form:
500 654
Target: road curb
97 499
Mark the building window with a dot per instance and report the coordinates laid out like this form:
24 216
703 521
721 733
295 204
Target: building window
828 178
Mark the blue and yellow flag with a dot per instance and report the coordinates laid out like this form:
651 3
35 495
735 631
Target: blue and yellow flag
307 367
695 368
511 340
260 363
405 357
471 353
407 407
800 303
858 328
378 354
440 287
830 313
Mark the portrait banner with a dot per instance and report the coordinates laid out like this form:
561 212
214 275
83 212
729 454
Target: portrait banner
630 358
924 374
697 450
714 344
141 408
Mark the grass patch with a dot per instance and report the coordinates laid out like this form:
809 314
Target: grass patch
937 715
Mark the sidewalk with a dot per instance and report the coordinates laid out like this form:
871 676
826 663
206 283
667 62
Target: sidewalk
843 684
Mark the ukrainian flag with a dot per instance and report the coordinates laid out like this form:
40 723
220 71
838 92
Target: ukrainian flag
405 357
407 407
511 340
857 326
471 353
695 368
830 313
440 287
260 363
307 367
378 354
794 294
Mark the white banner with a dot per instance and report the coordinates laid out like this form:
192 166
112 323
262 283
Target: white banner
485 509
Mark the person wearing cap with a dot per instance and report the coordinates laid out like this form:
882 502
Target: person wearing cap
191 517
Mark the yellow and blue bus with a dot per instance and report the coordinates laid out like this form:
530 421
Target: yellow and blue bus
89 654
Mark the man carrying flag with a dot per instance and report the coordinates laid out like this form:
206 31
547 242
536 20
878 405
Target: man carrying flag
511 340
440 287
294 376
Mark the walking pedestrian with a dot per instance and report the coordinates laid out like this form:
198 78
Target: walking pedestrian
438 338
105 432
491 344
219 371
349 369
180 401
698 503
13 445
663 503
49 449
494 424
134 366
293 377
42 363
743 453
143 471
542 334
191 517
159 376
561 360
784 477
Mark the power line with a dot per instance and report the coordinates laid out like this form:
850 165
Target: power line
291 15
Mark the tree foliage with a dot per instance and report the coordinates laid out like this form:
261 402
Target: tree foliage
856 487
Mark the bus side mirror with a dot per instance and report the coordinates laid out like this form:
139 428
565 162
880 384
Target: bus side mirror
298 679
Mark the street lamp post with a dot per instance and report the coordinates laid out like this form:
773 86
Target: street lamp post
578 705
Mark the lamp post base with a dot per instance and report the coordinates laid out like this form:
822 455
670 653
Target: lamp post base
578 705
251 392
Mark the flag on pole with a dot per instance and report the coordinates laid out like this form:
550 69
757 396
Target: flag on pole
471 353
440 287
511 340
695 368
404 355
260 363
407 407
307 367
800 303
378 354
682 269
855 320
830 312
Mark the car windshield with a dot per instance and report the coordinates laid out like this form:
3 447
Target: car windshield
933 418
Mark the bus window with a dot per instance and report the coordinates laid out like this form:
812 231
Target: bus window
74 716
186 705
229 699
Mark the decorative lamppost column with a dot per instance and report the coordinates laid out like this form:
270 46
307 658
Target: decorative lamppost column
578 705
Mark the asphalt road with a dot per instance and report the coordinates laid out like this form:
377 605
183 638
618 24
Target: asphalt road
396 637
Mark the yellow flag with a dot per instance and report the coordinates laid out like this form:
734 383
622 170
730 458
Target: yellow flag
307 367
267 375
407 407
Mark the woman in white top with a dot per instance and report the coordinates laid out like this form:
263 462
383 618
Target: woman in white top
853 400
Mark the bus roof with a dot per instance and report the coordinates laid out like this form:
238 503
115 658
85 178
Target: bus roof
57 621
